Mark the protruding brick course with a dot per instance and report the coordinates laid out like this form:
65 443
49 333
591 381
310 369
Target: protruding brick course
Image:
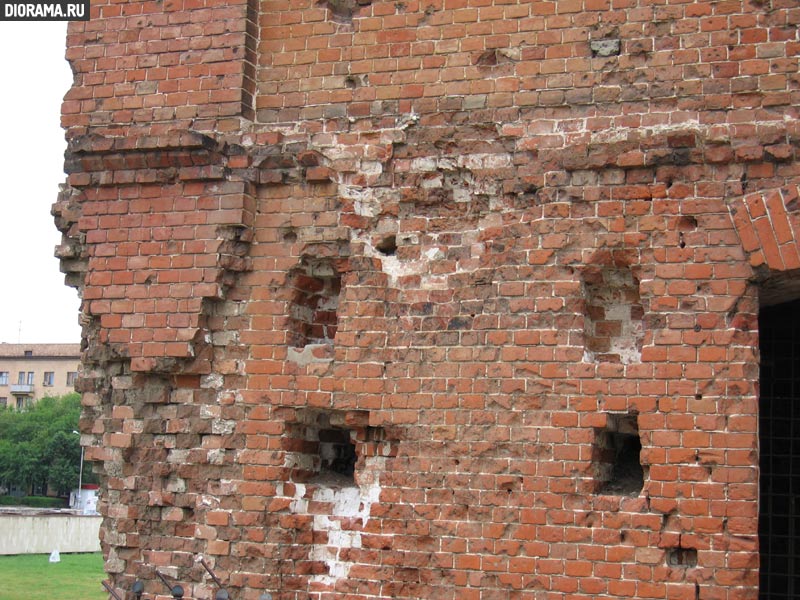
493 244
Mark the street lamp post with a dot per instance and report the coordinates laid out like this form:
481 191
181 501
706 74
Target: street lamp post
80 471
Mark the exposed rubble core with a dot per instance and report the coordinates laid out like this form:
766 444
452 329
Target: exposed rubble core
439 299
614 314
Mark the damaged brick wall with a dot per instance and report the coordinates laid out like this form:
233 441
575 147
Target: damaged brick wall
430 298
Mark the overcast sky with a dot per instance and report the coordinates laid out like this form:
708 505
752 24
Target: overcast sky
35 305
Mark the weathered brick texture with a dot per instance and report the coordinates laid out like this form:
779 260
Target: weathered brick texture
513 251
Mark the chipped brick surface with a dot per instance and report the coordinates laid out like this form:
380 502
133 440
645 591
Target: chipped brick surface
473 238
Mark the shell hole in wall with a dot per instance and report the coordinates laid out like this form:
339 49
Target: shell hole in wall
324 447
616 455
387 246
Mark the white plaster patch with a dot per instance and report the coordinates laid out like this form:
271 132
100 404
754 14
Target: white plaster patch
433 182
617 134
626 345
213 381
216 456
296 460
424 164
367 201
434 254
223 426
177 456
310 353
209 411
299 504
484 161
348 504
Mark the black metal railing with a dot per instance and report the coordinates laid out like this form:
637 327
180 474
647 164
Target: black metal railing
176 590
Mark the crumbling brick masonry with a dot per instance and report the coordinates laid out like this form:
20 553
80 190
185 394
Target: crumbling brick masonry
438 299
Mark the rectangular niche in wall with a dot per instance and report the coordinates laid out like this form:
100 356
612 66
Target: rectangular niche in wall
324 446
613 320
616 455
316 285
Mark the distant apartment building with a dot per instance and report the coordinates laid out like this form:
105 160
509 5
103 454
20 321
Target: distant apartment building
29 372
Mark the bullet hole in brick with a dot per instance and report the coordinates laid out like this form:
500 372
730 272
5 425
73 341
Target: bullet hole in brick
510 486
681 242
687 223
698 396
489 58
682 557
313 310
616 454
387 246
290 237
613 323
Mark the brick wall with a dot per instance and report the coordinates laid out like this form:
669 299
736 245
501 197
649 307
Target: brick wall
430 299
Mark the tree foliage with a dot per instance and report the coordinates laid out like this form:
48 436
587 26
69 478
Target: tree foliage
38 446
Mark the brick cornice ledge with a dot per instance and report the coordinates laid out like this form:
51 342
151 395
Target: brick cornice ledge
155 231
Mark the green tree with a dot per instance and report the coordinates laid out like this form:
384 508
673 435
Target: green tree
38 446
62 455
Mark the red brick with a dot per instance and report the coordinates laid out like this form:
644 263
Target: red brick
469 361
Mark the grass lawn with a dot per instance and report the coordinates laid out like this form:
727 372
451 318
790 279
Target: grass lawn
33 577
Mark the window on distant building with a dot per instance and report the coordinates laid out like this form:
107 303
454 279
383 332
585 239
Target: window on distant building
3 401
71 377
49 376
28 352
20 402
30 377
3 377
21 378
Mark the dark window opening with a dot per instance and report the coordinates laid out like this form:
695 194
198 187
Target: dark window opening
337 452
616 454
779 459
